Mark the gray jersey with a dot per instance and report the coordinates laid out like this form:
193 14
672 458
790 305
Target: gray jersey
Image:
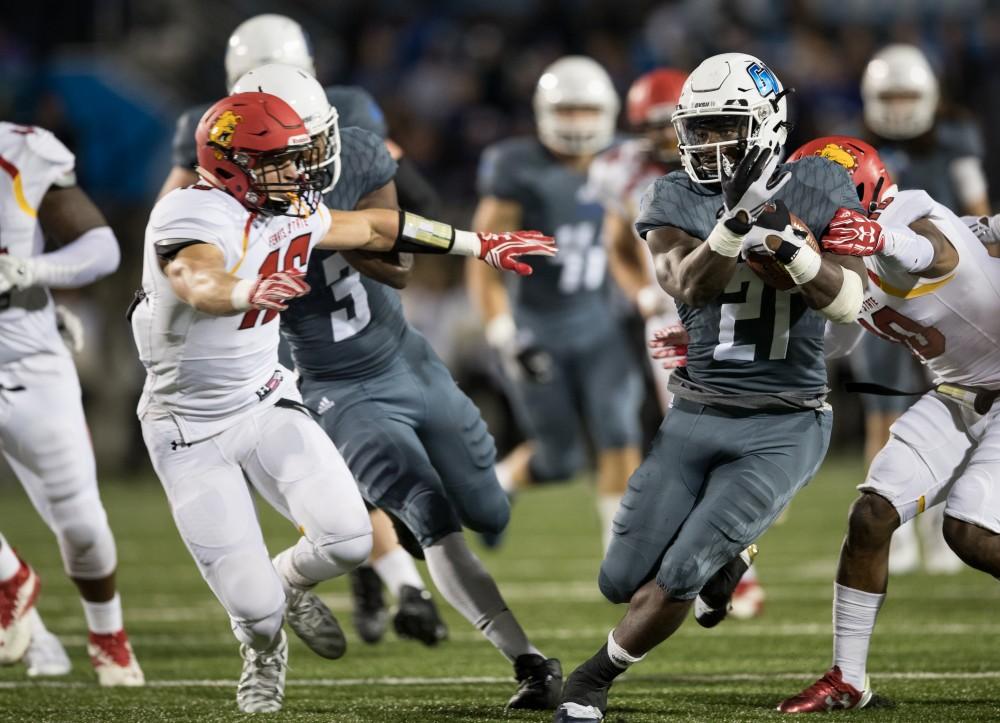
348 325
355 109
567 295
752 339
930 168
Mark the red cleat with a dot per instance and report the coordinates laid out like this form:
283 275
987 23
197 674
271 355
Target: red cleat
113 660
17 597
828 693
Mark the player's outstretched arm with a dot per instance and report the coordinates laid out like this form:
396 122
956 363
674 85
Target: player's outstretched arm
198 276
380 229
87 247
393 269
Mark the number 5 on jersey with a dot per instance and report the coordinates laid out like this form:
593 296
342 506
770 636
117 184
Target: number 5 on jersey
296 256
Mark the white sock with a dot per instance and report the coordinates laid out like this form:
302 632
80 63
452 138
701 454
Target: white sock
607 506
619 656
9 564
468 587
396 569
305 567
104 618
854 613
505 475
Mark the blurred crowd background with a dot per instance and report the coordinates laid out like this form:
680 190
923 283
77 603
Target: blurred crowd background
109 77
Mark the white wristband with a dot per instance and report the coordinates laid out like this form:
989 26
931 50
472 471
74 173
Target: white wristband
239 297
804 267
500 331
846 305
467 243
724 242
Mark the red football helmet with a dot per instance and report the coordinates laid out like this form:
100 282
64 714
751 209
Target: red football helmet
861 160
256 147
653 97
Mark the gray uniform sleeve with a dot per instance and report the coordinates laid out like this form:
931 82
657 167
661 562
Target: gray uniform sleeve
820 187
184 152
962 138
666 203
357 109
500 175
366 165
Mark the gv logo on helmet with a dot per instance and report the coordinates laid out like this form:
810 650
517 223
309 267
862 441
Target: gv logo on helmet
764 79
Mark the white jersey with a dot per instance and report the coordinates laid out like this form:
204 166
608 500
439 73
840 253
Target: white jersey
208 372
31 161
619 176
950 323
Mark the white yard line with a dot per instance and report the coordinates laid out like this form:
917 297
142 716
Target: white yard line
493 680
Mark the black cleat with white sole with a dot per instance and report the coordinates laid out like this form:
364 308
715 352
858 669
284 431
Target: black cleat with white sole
418 617
715 599
539 683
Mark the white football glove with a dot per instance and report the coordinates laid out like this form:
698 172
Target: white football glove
70 328
15 273
986 228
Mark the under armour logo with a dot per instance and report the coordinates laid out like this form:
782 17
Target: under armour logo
178 444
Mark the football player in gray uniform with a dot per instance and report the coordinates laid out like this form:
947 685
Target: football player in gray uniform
750 424
564 347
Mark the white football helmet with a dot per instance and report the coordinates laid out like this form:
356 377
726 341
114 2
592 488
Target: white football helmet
728 103
576 81
900 93
264 39
304 93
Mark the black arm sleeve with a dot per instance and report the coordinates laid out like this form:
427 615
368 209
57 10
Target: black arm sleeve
415 192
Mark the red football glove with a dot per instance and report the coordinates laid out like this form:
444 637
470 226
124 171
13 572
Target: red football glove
851 233
271 292
502 250
671 344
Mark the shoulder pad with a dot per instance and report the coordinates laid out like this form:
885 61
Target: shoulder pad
45 145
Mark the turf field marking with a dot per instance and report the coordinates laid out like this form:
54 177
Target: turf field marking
506 680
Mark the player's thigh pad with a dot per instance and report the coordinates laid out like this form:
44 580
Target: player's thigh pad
45 440
461 449
928 447
975 496
769 458
215 517
301 473
609 381
388 460
661 494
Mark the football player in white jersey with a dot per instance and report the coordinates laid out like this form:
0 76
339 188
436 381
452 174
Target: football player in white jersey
934 289
222 258
50 450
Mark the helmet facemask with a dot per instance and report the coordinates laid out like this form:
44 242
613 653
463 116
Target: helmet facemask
712 144
576 130
279 182
325 171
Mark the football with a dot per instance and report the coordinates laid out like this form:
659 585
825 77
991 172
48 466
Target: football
770 271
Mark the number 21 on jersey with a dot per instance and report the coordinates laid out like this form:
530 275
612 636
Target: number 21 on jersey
754 319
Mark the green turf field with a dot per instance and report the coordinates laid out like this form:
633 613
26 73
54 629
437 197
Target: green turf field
935 651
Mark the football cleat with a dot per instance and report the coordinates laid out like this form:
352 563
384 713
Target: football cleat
113 660
17 598
311 620
45 656
715 599
262 683
539 683
418 617
828 693
748 600
371 618
576 713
